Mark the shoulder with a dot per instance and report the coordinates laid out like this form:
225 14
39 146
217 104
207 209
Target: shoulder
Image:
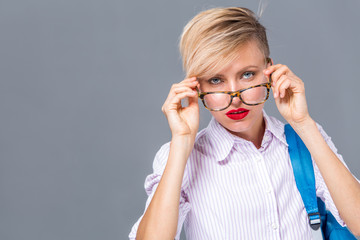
161 157
323 133
276 126
201 141
276 122
201 145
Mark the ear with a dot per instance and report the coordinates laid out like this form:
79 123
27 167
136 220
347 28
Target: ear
269 61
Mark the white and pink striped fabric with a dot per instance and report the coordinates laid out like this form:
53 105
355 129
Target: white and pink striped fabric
232 190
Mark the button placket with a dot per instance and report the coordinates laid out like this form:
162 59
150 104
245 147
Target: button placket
266 182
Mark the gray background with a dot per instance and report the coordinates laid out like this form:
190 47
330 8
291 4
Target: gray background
81 89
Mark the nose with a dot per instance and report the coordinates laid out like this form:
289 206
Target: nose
236 101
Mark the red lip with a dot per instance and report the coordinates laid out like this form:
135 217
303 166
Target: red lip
237 114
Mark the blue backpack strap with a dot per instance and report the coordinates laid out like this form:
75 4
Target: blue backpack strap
304 175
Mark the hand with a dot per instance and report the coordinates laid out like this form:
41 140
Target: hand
289 94
183 121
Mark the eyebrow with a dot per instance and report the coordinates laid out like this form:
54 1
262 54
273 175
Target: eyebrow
240 71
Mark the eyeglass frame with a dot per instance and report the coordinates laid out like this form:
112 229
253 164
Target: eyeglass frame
238 93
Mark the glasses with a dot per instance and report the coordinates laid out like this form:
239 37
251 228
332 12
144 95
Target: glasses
218 101
254 95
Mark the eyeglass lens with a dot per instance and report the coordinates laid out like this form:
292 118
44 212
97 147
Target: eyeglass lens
217 101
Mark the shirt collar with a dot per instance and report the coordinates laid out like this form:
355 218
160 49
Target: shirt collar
275 127
222 141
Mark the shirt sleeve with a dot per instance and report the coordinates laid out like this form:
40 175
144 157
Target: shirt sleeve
152 182
321 189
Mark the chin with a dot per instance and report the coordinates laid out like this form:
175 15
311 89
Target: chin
241 127
238 127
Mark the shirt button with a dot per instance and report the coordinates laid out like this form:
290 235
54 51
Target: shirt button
258 159
274 226
268 190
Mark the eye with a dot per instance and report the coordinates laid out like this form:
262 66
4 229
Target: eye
214 81
248 75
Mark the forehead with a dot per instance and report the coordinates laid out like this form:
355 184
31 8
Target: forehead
246 55
250 53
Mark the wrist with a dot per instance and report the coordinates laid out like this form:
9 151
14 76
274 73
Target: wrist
304 125
182 147
185 141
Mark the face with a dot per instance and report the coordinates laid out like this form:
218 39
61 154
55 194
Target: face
245 71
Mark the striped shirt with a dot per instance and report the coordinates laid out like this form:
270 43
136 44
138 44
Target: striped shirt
232 190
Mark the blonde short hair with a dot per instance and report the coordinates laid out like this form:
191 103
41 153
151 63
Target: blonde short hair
211 39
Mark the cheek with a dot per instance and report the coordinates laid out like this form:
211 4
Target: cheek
218 115
256 109
259 94
221 117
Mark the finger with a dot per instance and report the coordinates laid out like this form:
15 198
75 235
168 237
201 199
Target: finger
190 84
176 101
283 87
274 68
188 80
184 83
194 100
173 95
198 86
183 89
276 86
179 87
283 70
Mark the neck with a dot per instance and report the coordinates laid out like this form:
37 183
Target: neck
255 134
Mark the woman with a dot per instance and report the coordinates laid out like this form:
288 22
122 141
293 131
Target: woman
233 179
